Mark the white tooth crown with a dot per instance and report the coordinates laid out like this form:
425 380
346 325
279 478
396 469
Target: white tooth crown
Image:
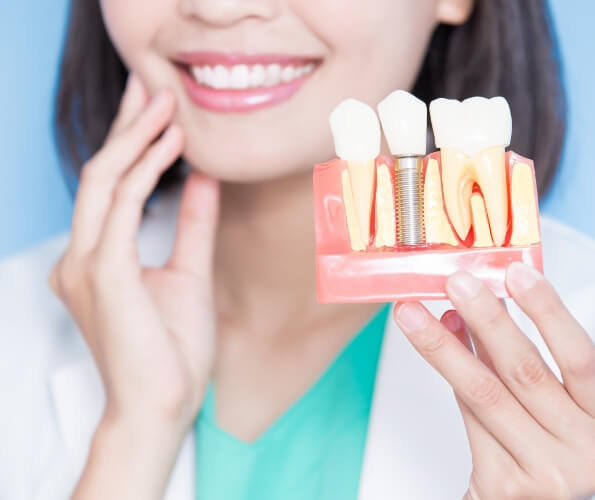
404 119
470 126
356 131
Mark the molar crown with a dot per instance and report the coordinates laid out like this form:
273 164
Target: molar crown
471 125
356 131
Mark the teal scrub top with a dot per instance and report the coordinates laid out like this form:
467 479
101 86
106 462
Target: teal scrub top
313 451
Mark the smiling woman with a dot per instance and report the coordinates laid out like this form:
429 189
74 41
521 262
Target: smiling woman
504 48
181 343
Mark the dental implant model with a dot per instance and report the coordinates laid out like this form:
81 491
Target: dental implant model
395 227
404 119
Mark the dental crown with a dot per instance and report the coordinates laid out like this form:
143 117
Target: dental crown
404 119
472 125
356 131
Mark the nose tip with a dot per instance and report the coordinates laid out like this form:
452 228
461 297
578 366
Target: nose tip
222 13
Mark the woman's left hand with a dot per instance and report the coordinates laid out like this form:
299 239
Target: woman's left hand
531 436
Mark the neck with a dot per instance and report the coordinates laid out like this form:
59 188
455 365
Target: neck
265 272
265 249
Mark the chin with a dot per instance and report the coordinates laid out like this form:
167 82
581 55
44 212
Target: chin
239 162
234 167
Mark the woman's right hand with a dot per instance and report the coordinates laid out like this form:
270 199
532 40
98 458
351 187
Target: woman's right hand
150 330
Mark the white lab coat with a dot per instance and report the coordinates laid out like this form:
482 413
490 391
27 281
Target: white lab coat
52 395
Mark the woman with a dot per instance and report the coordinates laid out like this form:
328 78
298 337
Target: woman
207 345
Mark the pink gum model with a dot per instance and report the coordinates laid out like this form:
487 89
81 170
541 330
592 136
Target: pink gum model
397 273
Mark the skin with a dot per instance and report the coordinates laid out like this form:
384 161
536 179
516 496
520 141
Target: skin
238 312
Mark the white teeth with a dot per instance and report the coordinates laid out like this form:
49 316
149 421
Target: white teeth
288 74
258 76
356 131
470 126
273 76
404 119
242 76
221 77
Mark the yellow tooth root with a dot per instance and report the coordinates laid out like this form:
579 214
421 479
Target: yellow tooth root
460 172
481 227
362 176
525 225
386 223
350 213
438 230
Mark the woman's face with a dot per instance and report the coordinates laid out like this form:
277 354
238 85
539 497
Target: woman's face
266 127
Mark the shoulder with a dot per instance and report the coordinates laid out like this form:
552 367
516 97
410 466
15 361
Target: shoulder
27 304
36 335
569 261
568 257
566 250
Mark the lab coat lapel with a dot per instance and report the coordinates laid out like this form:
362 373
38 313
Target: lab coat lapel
416 444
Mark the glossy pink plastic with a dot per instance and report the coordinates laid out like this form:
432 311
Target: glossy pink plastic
399 274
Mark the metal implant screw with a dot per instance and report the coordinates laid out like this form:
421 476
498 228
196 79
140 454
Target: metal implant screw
409 197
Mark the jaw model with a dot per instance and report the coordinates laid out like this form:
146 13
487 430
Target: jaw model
480 209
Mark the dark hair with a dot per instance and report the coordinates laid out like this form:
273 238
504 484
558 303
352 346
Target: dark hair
507 47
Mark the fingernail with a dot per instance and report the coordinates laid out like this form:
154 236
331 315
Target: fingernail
411 316
452 321
463 285
520 277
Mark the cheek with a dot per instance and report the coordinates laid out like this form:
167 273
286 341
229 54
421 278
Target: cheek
133 25
376 46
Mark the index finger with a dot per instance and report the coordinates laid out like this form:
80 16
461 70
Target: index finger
134 99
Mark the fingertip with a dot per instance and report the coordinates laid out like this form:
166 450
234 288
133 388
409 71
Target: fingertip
135 90
410 316
521 278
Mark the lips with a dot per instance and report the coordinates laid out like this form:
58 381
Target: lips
234 82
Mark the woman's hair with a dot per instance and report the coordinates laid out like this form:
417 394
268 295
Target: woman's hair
507 47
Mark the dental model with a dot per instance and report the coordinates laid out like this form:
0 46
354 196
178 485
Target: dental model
404 119
356 132
395 227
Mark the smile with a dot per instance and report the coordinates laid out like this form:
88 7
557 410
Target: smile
240 83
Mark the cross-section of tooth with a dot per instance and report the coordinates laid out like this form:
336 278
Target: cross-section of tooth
356 132
473 135
525 226
386 222
481 228
438 230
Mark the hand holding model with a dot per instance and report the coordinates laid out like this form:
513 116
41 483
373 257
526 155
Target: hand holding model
150 330
531 434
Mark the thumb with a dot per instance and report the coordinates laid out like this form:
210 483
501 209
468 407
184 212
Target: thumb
197 223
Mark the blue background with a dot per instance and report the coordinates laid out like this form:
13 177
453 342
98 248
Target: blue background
35 200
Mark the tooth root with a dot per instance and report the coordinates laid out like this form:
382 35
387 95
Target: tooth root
490 167
481 228
361 175
438 229
350 214
525 226
386 224
457 180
